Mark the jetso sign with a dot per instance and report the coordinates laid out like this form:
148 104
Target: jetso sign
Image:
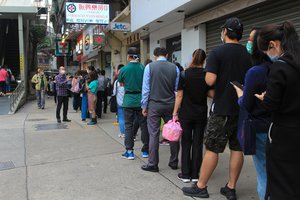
120 26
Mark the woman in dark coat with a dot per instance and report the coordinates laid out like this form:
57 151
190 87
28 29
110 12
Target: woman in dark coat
282 97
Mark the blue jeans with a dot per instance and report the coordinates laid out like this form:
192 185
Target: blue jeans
84 106
121 119
259 160
40 97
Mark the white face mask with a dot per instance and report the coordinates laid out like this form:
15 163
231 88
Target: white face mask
222 36
63 72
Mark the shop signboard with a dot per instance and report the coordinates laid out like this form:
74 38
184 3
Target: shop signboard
87 13
120 26
62 48
99 40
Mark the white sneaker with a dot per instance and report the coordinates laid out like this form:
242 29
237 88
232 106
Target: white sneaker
121 135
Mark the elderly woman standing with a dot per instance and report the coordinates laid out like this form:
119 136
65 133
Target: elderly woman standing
92 88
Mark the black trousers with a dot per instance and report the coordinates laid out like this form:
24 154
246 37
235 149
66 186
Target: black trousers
65 102
101 97
3 87
104 99
192 147
99 104
136 125
76 101
283 163
129 117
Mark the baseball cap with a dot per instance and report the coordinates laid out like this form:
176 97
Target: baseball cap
233 24
133 51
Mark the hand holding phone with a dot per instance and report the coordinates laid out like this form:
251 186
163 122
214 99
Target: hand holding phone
237 84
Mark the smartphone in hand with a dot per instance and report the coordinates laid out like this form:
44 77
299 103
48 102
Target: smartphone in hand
237 84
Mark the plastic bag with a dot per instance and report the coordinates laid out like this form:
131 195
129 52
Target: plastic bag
172 131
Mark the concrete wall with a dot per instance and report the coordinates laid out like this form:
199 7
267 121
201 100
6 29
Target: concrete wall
151 10
164 33
192 39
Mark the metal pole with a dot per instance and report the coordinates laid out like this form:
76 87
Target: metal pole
65 61
21 46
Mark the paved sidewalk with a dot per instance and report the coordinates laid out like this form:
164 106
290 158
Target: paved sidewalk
73 161
4 105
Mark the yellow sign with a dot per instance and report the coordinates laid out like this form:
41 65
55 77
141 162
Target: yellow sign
21 63
22 66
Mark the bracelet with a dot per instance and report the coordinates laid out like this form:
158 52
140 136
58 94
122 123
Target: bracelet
175 114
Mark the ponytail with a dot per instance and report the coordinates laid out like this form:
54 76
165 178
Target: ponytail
286 34
290 41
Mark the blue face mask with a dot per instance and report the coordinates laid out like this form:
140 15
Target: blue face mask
249 46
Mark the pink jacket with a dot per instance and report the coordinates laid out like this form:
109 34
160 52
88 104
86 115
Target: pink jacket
3 75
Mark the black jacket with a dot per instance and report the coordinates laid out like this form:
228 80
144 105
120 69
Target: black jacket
283 92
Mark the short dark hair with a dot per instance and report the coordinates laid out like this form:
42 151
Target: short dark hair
258 56
120 66
93 76
160 51
234 34
91 68
179 66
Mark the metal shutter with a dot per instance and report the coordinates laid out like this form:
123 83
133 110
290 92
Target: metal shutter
259 15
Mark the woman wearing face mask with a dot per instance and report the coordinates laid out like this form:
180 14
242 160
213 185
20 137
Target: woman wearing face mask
282 97
256 82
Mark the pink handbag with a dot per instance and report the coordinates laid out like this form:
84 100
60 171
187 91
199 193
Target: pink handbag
172 131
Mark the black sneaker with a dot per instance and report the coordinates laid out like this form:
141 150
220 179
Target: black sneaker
66 120
58 121
228 193
173 167
194 191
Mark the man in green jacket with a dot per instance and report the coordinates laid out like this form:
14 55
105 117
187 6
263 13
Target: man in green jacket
131 76
40 82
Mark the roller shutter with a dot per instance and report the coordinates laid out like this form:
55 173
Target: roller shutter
259 15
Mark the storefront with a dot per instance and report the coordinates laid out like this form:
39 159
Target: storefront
173 46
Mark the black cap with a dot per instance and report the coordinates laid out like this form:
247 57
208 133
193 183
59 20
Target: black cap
133 51
233 24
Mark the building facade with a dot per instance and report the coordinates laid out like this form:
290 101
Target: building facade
196 24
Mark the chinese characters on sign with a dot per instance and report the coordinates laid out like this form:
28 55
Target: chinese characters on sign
87 13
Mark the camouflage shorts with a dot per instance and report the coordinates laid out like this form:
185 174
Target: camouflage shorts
219 130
